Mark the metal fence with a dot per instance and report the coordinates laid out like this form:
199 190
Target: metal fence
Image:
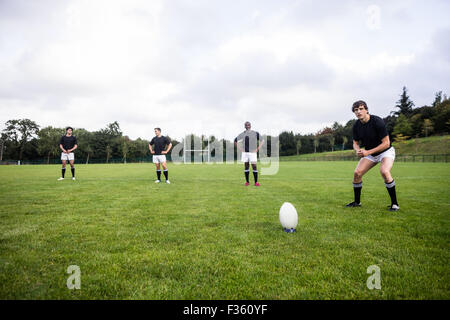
78 161
398 158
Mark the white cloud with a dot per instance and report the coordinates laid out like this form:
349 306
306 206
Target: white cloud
203 67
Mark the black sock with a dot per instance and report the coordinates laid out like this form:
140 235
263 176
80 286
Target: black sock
246 175
166 174
255 175
73 171
357 190
390 186
63 172
158 174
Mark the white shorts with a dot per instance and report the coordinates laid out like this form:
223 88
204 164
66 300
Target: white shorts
249 157
67 156
159 158
389 153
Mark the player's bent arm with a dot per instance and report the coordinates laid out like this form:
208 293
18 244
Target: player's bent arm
168 148
62 148
385 143
260 145
356 146
237 145
71 150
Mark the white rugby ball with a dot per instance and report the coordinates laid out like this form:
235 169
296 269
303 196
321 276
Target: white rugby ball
288 216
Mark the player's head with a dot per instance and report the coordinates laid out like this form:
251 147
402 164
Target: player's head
69 130
247 125
157 131
360 109
358 104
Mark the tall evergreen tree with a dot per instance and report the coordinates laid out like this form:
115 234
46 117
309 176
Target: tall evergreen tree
405 104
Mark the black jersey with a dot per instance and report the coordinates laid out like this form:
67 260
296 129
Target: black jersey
160 144
68 142
370 133
250 138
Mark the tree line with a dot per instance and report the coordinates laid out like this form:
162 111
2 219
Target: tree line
403 123
24 139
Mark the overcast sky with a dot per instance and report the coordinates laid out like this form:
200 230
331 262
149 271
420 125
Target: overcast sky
204 66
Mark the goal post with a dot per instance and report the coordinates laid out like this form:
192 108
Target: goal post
200 155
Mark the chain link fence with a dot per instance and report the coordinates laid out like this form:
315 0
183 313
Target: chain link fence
398 158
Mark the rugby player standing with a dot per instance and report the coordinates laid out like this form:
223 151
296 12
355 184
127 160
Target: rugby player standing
249 154
68 143
159 154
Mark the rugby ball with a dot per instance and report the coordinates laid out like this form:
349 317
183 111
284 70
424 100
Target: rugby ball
288 217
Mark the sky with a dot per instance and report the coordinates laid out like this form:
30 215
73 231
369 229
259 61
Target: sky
206 67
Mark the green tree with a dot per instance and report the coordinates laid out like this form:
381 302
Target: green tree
89 152
416 124
427 127
48 142
405 104
125 147
331 138
85 140
139 148
287 143
299 146
441 117
400 138
108 136
108 153
437 99
316 143
344 141
20 132
403 127
2 145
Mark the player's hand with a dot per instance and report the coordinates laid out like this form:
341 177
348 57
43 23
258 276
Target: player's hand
152 152
362 153
359 153
164 152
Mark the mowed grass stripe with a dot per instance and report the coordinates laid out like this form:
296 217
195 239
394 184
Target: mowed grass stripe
206 236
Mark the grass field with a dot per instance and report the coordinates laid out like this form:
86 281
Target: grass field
435 145
206 236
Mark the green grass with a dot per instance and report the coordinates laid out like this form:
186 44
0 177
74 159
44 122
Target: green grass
430 146
206 236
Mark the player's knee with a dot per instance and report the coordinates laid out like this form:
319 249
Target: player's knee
358 174
385 172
